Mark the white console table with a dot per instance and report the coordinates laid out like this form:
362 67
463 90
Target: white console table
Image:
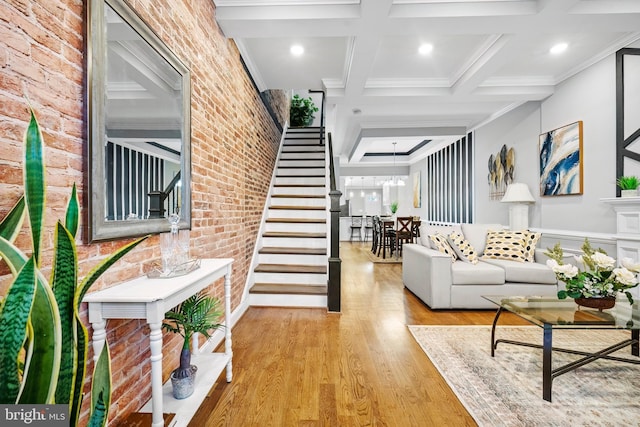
150 299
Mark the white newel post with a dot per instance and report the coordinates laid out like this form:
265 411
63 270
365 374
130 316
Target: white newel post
627 211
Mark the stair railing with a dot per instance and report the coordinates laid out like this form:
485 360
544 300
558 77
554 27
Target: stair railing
334 284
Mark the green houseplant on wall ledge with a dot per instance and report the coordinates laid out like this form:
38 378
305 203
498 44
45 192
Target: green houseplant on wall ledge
628 185
198 313
43 343
301 111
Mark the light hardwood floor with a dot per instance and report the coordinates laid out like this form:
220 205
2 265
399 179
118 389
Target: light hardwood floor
362 367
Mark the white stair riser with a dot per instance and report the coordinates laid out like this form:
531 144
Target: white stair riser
291 278
302 171
290 153
301 163
294 148
309 191
287 213
283 300
303 140
298 201
288 180
292 259
299 227
295 242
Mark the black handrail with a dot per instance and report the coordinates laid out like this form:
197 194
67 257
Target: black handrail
334 285
322 104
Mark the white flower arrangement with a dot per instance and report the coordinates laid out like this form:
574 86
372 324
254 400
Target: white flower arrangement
600 277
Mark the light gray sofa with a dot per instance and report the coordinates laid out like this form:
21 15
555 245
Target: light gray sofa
442 284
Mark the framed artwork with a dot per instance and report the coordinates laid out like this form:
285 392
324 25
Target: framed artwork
561 161
417 190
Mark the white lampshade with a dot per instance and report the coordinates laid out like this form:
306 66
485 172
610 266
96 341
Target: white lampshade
518 193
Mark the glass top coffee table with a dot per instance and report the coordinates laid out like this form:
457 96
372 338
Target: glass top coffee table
552 313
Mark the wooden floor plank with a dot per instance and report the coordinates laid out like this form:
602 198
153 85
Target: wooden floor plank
358 367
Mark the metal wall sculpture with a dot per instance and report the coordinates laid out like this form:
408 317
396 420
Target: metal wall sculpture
501 172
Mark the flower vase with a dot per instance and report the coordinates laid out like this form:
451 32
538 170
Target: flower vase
601 303
629 193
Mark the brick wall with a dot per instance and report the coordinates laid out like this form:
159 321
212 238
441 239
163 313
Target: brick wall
234 145
280 102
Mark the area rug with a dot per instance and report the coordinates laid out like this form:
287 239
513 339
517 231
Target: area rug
390 259
506 390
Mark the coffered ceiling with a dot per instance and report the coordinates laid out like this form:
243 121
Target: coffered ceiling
487 57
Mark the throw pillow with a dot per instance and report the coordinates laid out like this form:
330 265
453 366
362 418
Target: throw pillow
463 248
531 239
509 245
440 243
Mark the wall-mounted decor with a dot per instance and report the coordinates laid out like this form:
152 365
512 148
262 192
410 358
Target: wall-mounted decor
561 161
501 172
627 121
417 190
139 132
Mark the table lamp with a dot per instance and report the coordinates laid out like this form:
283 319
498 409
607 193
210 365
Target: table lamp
519 197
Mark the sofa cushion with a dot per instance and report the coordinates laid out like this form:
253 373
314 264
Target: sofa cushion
426 230
441 244
476 234
524 272
482 273
463 248
502 244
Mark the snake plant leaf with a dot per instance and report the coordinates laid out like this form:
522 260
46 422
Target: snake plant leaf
82 353
14 317
73 212
34 184
101 389
41 373
64 276
94 274
12 223
14 258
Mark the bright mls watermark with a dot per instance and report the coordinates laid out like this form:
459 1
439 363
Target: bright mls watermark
34 415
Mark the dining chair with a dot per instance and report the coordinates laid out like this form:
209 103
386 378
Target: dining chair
377 231
388 238
404 232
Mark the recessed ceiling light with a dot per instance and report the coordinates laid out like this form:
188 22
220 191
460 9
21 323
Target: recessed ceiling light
296 50
425 49
558 48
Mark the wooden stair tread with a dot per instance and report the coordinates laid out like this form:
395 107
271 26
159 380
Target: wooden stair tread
300 176
298 208
298 220
293 234
288 288
291 268
299 196
299 185
293 251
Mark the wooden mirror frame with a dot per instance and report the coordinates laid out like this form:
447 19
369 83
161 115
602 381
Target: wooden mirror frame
97 226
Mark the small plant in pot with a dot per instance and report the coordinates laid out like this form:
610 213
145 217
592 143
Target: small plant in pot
301 111
198 313
628 185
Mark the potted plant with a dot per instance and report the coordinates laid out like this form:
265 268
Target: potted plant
301 111
393 207
599 283
43 342
628 185
198 313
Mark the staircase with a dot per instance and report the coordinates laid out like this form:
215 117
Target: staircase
292 255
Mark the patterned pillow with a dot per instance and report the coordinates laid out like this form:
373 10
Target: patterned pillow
463 248
440 242
509 245
531 239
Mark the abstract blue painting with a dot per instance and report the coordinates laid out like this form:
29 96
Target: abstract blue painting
561 161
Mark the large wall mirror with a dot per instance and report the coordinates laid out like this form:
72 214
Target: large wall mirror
139 126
